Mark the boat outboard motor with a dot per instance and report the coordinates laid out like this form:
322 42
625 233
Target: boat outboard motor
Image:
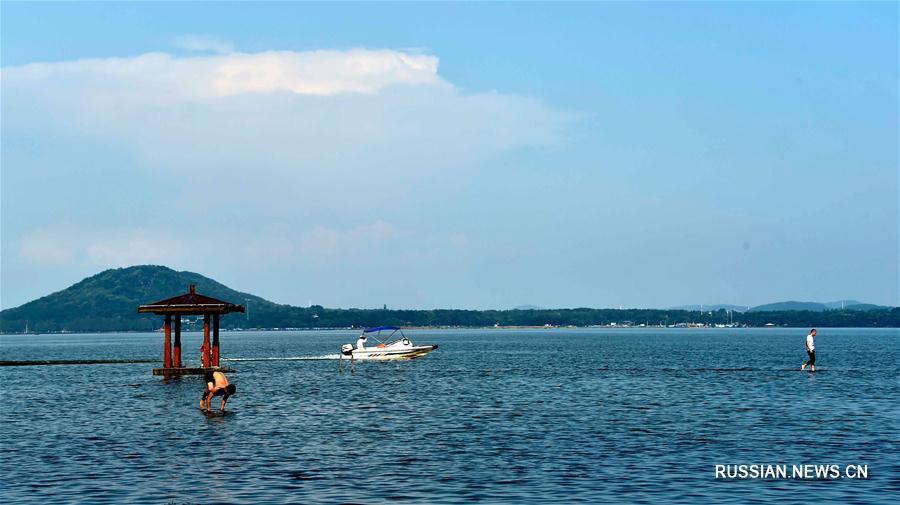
347 349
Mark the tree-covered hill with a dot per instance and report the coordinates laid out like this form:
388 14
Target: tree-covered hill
817 307
108 301
791 305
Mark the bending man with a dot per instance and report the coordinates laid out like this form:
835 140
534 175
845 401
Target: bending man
216 385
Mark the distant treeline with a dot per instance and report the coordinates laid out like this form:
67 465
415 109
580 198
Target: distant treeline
283 316
108 301
320 317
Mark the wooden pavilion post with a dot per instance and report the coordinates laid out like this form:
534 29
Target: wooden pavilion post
177 349
167 343
206 352
215 344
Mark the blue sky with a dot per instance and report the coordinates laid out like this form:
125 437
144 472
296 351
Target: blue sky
456 155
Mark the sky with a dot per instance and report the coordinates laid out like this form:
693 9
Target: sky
445 155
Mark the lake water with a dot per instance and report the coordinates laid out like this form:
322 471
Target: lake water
499 416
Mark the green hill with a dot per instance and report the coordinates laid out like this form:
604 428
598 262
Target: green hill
108 301
791 305
817 307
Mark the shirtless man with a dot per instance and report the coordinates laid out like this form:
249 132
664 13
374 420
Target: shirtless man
216 385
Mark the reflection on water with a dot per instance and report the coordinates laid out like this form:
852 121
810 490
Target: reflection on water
498 416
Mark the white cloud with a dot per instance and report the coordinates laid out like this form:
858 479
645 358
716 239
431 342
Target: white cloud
321 72
203 43
255 128
47 247
58 245
107 247
343 163
132 248
163 78
328 244
458 240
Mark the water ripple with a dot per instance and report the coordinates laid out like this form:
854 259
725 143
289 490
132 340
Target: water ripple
500 417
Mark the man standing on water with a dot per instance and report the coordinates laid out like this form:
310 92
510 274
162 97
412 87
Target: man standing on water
810 350
216 385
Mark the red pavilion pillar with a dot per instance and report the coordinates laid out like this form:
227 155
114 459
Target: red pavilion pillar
167 345
176 355
215 346
206 352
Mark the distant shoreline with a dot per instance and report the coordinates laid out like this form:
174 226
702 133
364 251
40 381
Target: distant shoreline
494 328
108 302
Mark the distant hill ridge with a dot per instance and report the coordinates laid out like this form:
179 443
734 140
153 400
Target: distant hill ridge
789 305
736 308
816 306
528 307
108 301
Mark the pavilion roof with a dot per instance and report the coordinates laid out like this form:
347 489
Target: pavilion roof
191 303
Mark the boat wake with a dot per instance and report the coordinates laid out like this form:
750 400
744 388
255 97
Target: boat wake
75 362
289 358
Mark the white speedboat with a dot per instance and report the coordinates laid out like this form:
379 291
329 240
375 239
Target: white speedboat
385 349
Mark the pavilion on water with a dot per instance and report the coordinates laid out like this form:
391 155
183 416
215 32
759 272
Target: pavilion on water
190 304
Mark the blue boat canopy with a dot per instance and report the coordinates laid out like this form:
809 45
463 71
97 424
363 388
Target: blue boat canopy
381 328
